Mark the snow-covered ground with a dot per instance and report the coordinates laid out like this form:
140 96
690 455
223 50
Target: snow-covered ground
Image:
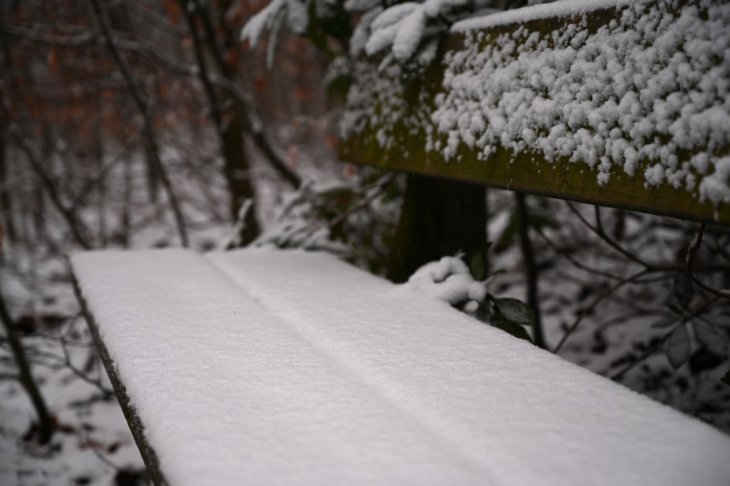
93 444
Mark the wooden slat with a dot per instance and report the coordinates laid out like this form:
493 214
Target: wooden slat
527 172
287 367
148 453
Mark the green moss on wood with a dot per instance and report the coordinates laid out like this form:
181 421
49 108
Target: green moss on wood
526 172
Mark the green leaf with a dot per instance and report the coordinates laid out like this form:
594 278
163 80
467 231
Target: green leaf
314 31
338 87
665 321
710 338
540 220
333 19
507 238
682 290
512 328
515 311
719 321
678 348
485 314
478 265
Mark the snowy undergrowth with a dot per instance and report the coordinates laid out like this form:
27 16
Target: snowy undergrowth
624 336
92 444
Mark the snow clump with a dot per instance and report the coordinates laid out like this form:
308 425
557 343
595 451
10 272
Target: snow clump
447 279
647 93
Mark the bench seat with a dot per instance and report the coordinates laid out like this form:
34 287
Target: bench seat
273 367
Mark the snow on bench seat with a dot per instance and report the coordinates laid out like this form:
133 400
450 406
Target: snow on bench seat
269 367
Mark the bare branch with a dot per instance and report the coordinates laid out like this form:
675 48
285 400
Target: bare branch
144 107
227 81
587 309
78 229
598 230
692 251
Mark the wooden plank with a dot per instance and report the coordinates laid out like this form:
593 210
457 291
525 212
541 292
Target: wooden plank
527 171
148 453
269 367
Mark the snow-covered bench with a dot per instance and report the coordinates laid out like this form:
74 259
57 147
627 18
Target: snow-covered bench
620 103
266 367
272 367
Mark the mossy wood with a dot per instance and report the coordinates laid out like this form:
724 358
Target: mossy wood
527 172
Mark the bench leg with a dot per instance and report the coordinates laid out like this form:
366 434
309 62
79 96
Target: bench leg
439 217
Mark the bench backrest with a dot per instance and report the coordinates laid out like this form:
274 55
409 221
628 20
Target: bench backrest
623 104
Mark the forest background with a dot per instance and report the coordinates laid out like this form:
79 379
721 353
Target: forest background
143 124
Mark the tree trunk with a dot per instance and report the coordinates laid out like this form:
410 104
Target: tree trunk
237 171
5 203
45 420
439 217
229 122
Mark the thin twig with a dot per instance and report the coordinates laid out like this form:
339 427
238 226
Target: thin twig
586 310
106 392
567 255
649 351
655 347
374 190
78 229
84 192
692 251
610 241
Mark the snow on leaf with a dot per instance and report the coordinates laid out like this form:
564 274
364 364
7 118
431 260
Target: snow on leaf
360 35
263 20
361 5
393 15
381 39
433 8
409 35
297 16
447 279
